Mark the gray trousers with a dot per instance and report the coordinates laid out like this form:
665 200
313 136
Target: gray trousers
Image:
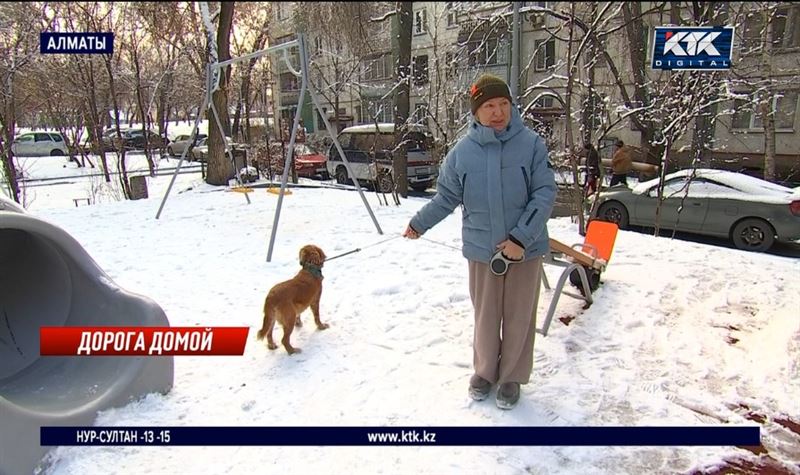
505 320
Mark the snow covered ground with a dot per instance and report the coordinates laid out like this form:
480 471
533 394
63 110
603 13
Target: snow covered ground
680 333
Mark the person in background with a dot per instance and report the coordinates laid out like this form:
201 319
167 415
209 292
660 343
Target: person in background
592 168
499 173
621 163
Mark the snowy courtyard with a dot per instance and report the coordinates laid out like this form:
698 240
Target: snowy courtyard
680 333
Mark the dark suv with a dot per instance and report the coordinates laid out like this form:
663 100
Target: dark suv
133 139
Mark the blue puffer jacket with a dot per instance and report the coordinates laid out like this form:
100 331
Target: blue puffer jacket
506 188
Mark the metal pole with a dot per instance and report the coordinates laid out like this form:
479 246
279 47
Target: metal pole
513 83
303 87
333 135
289 151
256 54
193 135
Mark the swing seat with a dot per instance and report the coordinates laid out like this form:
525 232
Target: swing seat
277 191
241 189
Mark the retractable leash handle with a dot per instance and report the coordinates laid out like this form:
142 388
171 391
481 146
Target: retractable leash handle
499 264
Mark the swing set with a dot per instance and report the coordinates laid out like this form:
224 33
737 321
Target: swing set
213 71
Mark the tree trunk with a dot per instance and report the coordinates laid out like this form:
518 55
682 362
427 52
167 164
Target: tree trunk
9 123
121 165
142 110
589 114
632 14
402 98
220 167
577 200
768 102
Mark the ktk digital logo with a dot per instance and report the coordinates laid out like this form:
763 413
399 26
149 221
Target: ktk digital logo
692 48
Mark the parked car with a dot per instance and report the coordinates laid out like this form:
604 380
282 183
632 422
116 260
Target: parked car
177 146
310 164
37 144
108 141
134 139
751 212
358 143
200 151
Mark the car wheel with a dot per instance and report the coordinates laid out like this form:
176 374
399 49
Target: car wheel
753 234
170 152
420 187
341 176
56 153
614 212
384 183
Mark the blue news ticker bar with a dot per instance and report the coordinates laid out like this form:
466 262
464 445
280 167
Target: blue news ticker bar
452 436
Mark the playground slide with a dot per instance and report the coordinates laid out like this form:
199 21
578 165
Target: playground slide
48 279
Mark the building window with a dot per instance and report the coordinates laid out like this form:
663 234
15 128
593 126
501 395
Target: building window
420 21
747 117
452 15
545 54
543 102
420 70
280 10
382 109
289 82
487 52
537 19
378 68
785 31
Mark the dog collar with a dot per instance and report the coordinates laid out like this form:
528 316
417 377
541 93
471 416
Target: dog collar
316 271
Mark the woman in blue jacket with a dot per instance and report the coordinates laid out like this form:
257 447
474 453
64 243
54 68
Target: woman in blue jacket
499 173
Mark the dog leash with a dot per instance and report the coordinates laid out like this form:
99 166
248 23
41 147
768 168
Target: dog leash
361 248
358 249
440 243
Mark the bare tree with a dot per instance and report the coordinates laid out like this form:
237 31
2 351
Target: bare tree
220 168
135 45
19 25
341 35
253 25
402 104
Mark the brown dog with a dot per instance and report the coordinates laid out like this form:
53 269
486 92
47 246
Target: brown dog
287 300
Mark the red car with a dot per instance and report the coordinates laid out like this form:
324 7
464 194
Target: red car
309 164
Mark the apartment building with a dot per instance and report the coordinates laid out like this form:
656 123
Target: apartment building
454 42
353 82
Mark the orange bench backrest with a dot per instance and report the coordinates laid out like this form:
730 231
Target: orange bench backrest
601 235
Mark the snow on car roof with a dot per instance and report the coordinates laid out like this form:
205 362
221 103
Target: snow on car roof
384 127
744 187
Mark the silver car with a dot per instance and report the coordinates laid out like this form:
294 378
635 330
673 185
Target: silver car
751 212
177 146
36 144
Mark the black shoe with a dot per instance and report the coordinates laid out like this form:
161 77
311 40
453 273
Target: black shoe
479 388
507 395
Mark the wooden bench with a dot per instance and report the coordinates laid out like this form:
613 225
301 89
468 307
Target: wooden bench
591 259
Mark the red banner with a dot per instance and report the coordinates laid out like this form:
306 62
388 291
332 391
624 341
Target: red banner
142 341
